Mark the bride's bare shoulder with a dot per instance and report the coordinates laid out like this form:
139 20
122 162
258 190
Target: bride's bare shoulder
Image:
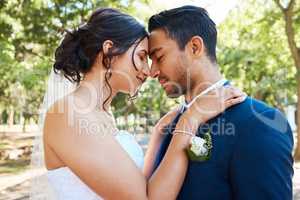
73 111
57 109
55 118
69 104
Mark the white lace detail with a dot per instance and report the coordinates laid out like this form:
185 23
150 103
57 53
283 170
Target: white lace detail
68 186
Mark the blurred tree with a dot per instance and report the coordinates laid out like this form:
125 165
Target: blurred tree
151 104
291 16
253 52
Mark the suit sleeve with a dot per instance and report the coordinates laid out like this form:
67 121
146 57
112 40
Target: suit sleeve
262 164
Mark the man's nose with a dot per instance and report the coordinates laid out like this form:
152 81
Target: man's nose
154 72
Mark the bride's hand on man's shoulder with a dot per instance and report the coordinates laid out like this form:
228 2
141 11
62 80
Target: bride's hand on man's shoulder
208 106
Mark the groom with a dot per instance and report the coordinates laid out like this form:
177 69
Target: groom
252 143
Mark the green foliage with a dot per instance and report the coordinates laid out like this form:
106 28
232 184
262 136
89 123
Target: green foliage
253 52
150 104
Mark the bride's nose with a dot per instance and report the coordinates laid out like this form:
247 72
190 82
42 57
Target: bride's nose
146 71
154 72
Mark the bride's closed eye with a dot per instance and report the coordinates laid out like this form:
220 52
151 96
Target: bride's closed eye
143 56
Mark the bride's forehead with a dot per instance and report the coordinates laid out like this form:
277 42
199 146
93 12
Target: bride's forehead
141 46
145 42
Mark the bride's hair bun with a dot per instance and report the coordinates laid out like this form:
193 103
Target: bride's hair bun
70 58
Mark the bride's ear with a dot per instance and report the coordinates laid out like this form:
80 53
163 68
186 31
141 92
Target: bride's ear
106 46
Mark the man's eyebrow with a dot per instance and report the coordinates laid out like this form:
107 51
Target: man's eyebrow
153 51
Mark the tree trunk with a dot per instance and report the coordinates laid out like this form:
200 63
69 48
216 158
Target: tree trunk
297 151
296 57
24 125
126 120
11 117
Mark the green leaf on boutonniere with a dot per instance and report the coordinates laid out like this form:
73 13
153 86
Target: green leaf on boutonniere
200 148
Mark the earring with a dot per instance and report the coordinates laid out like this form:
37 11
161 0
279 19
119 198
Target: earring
109 72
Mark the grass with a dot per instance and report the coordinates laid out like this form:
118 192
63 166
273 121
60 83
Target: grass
3 144
14 166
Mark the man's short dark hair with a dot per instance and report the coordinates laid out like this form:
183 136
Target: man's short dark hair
182 23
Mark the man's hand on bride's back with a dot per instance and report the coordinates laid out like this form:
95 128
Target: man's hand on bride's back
210 105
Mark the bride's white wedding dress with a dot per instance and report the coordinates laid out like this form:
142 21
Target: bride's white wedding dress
68 186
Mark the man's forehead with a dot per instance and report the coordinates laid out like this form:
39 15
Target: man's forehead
157 35
157 40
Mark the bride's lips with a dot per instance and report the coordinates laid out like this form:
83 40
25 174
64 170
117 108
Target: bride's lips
141 80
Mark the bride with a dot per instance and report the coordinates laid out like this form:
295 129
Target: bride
86 156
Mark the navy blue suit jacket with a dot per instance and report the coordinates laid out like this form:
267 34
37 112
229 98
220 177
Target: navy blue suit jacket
251 156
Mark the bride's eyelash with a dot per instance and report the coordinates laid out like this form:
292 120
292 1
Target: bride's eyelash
142 57
159 58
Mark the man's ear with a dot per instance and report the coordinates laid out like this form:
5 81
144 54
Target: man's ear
196 46
107 44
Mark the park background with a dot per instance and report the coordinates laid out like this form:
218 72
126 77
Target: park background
258 49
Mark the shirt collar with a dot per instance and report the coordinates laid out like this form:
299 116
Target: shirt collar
218 84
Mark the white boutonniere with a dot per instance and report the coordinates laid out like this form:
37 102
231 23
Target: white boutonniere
200 148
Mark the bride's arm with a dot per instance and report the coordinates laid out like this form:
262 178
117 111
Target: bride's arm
167 180
155 141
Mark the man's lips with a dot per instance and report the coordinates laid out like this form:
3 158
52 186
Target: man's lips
162 81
